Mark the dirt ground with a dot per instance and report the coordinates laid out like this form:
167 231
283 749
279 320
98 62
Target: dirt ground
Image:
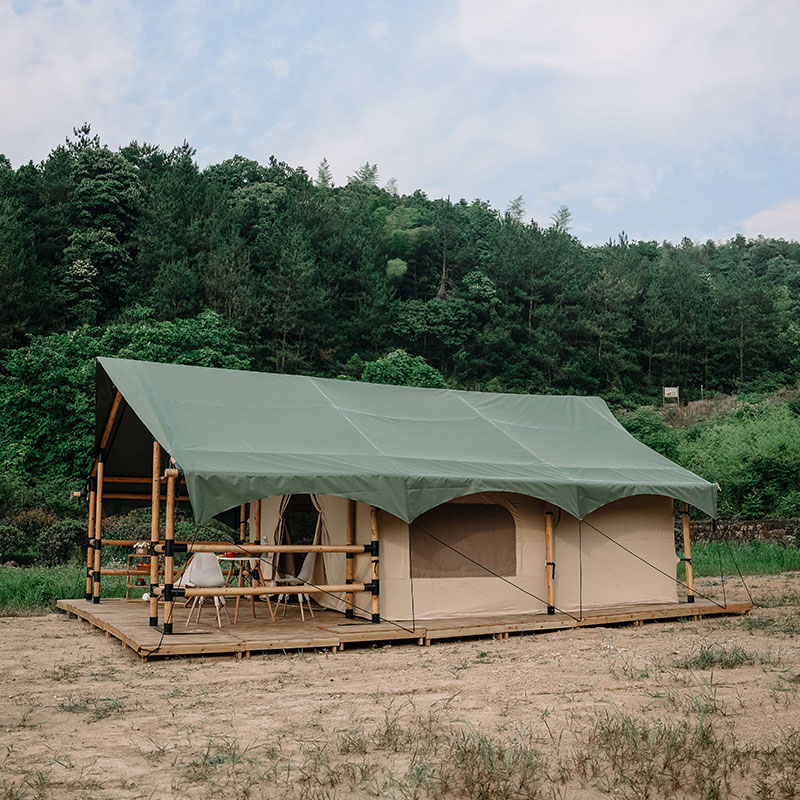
625 712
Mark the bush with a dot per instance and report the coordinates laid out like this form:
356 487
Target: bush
61 542
14 546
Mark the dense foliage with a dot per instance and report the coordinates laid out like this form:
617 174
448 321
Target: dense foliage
139 253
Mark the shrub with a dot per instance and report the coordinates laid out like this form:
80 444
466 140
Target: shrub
14 546
61 542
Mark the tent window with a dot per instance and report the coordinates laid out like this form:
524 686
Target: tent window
484 533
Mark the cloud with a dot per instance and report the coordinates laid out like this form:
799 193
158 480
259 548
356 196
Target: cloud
62 65
780 222
280 67
377 31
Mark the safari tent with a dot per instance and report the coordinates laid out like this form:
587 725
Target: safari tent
426 503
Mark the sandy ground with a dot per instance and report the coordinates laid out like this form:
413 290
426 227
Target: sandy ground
82 717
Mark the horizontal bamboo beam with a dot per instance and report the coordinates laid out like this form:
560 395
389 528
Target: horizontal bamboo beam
253 550
245 591
124 479
142 572
133 496
248 550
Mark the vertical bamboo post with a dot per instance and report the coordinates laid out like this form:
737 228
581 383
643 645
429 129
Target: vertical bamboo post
242 523
375 572
350 534
169 558
155 515
687 553
550 565
98 529
90 546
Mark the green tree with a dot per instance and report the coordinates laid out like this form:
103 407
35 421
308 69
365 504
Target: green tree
401 369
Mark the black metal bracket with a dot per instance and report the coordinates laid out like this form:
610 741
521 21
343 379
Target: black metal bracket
95 574
373 586
171 592
690 598
349 555
96 543
687 560
170 547
551 610
553 565
372 548
153 587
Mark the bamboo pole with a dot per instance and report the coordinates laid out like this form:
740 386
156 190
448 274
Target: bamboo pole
125 479
253 550
124 572
350 562
242 523
687 553
375 567
90 547
98 529
183 498
244 591
155 519
550 565
169 558
112 415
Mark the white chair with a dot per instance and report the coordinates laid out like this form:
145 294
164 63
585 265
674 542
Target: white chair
204 572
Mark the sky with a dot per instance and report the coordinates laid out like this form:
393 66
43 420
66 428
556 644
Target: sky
657 119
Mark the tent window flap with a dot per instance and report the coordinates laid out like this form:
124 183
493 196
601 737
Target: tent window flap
447 541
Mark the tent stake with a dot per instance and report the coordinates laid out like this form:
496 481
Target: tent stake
169 558
550 565
155 514
98 529
687 553
375 572
350 558
90 546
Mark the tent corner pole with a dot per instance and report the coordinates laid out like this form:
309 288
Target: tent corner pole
550 564
90 545
169 558
350 557
98 529
155 514
375 567
687 553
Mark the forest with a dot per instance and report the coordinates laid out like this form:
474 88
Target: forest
140 253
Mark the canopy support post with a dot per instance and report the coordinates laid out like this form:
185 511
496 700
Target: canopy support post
90 545
242 518
350 557
169 558
687 553
375 568
550 565
98 528
155 515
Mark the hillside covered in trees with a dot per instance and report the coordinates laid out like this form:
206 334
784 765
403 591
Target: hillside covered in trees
140 253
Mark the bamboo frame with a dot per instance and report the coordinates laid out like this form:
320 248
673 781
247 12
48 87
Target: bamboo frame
98 529
255 550
90 545
549 565
350 562
242 523
244 591
155 518
112 415
169 559
687 553
375 566
183 498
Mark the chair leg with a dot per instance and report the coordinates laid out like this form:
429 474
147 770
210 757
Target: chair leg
269 606
216 608
225 609
300 603
308 603
191 610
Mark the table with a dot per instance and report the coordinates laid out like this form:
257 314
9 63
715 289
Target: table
247 573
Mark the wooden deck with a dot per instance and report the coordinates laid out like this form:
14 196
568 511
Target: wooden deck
128 622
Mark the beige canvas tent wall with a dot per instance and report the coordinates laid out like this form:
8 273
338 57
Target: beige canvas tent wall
505 531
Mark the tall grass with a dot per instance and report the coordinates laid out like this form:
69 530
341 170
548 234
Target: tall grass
34 590
753 558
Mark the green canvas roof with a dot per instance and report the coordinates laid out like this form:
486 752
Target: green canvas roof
239 436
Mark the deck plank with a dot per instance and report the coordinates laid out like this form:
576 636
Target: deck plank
128 622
